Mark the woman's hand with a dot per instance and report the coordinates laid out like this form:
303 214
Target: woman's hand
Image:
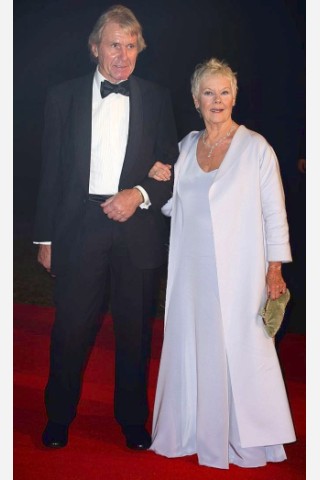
160 171
276 286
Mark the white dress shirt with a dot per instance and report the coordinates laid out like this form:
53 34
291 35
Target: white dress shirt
110 125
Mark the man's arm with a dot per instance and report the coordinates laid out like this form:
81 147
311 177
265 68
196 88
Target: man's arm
166 151
50 179
124 204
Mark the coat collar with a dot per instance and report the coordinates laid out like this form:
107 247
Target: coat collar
239 143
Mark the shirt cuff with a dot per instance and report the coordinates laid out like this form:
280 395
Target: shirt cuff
42 243
146 204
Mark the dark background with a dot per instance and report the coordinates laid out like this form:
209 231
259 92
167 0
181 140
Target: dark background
263 41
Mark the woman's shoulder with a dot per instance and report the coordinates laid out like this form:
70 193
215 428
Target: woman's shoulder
259 147
189 138
253 136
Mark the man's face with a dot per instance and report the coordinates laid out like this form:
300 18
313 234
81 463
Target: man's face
116 53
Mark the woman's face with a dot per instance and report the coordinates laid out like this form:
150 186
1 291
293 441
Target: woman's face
215 99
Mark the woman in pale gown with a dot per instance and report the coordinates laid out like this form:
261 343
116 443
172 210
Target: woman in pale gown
220 392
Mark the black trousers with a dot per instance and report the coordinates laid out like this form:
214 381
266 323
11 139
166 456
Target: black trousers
100 254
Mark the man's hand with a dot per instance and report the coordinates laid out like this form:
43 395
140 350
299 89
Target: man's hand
44 256
123 205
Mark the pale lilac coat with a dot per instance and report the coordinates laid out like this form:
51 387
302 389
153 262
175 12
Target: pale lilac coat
250 228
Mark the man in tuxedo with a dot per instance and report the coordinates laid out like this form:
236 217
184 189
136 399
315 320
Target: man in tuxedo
98 217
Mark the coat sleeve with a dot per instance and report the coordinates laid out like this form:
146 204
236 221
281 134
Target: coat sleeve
50 180
273 207
166 151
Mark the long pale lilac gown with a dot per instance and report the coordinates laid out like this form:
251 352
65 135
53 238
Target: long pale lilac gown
193 410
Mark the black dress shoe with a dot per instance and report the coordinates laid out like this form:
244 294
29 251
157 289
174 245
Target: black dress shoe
55 435
137 437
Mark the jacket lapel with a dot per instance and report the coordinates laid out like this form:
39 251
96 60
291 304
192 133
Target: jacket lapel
135 130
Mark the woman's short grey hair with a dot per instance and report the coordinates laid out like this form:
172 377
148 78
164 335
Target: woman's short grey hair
213 67
125 18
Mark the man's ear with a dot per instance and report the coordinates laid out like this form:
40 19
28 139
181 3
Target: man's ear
94 50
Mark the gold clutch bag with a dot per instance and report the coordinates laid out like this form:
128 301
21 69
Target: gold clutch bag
273 312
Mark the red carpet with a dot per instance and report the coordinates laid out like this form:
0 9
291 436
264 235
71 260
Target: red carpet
96 449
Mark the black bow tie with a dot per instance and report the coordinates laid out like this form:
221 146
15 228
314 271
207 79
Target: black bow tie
106 88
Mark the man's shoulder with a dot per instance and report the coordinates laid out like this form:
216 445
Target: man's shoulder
148 85
71 84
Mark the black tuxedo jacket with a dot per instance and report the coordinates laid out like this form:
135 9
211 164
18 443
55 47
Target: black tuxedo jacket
64 184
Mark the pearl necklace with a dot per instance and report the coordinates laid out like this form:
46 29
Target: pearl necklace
215 145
